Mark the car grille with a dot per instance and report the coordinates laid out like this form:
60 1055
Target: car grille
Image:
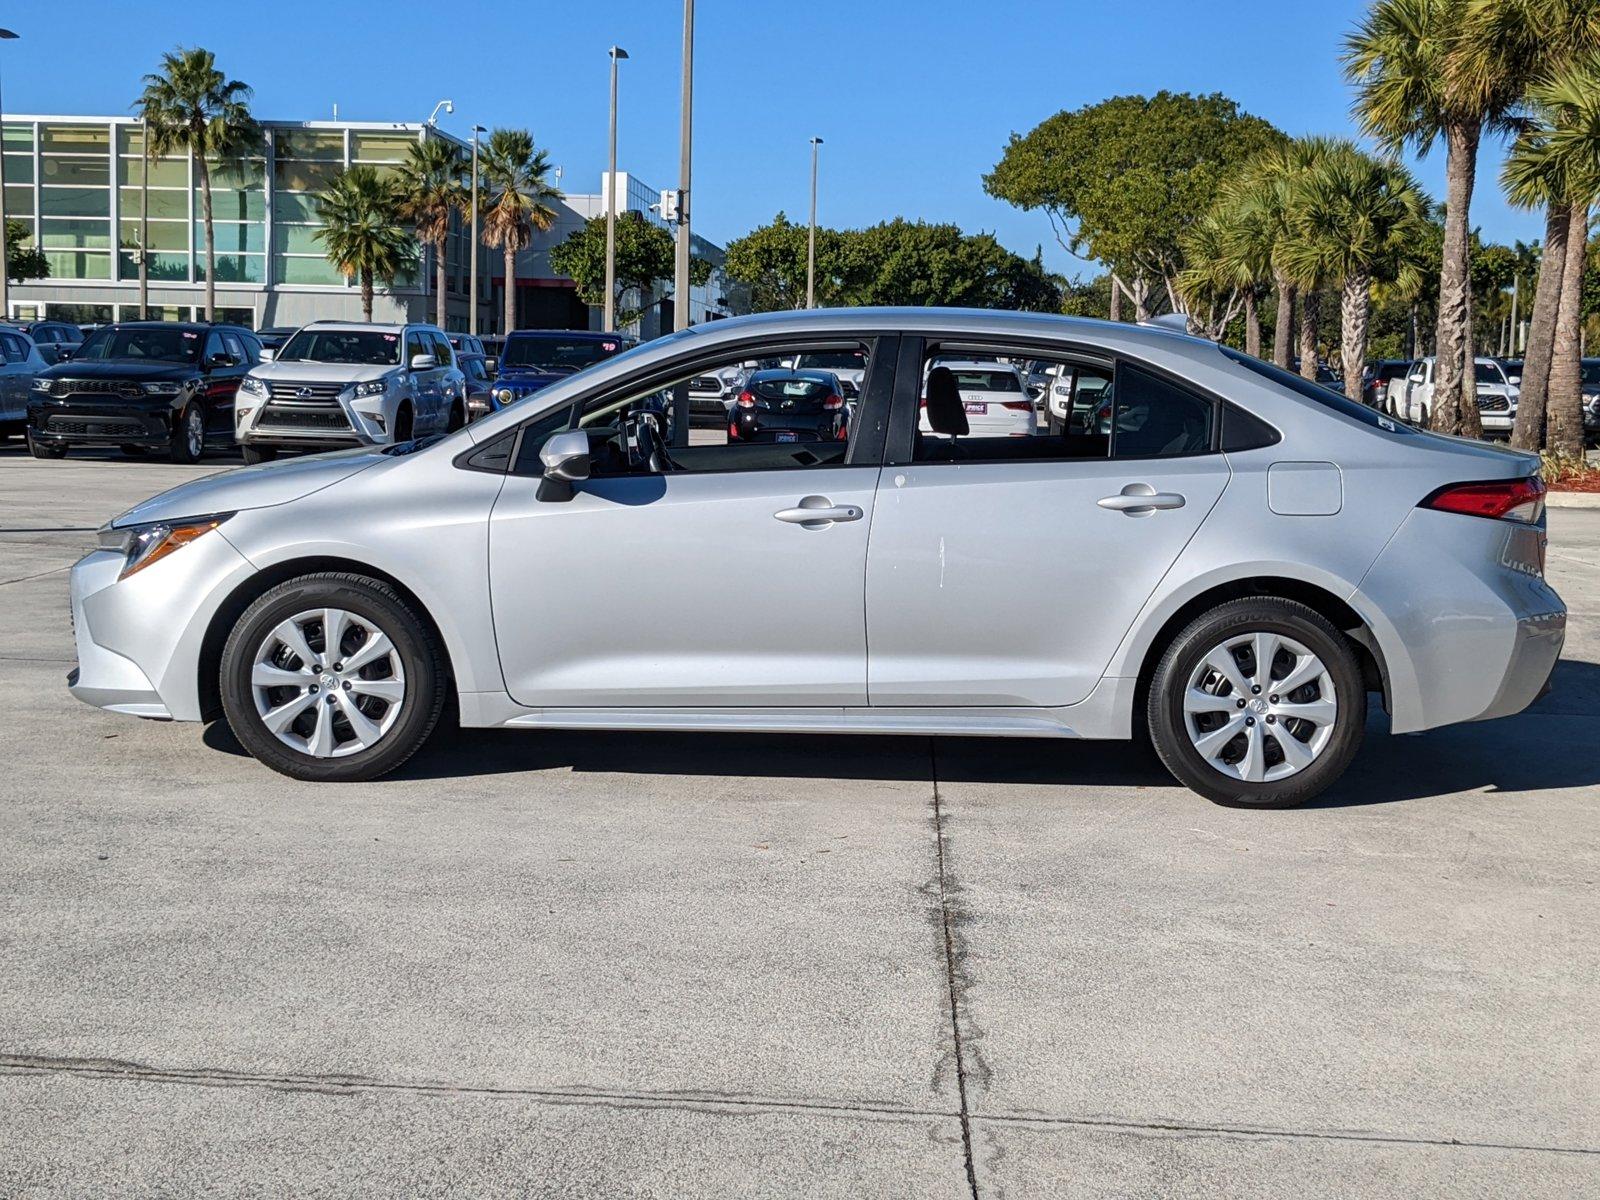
318 418
305 391
1493 404
705 383
103 427
94 387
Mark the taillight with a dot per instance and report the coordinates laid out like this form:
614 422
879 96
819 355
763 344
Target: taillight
833 402
747 400
1501 499
1018 405
843 435
733 431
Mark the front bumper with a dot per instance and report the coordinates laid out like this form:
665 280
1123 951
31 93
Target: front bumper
80 423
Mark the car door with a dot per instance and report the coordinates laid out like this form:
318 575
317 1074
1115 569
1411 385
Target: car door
706 587
424 381
1006 571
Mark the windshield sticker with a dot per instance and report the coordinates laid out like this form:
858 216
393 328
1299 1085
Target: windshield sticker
190 336
391 337
608 345
1385 423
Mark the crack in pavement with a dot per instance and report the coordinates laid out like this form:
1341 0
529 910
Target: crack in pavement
126 1071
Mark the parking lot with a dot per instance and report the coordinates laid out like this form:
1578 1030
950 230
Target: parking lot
652 965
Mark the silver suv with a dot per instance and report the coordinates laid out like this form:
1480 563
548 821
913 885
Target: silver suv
338 384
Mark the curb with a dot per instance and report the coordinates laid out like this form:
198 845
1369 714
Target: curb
1572 499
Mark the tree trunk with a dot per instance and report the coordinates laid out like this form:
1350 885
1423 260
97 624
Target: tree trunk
1528 433
1116 299
1310 310
211 237
1355 306
366 294
1141 298
1565 403
1455 406
511 289
1283 328
438 277
1252 323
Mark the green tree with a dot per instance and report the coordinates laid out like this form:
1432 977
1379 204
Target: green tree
1356 221
1421 77
521 199
771 262
432 189
190 105
362 230
23 261
645 257
1122 180
915 263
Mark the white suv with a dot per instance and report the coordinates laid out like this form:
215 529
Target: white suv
339 384
1411 397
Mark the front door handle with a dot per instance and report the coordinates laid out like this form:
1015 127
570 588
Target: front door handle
1140 500
818 512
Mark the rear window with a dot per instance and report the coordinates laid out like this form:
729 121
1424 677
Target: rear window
985 381
1315 392
840 360
790 389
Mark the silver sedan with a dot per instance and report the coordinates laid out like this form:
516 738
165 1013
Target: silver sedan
1233 560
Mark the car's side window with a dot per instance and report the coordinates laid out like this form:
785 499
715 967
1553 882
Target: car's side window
213 346
235 347
16 350
441 350
416 344
1156 418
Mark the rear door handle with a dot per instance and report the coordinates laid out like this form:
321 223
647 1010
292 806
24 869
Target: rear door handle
1140 499
816 512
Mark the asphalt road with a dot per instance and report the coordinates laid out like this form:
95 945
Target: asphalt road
577 964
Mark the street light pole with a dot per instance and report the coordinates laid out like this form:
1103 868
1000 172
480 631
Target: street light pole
680 280
144 219
811 234
617 52
5 261
472 308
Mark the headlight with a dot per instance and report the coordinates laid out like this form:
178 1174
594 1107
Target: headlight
145 544
252 386
161 389
372 387
43 385
504 395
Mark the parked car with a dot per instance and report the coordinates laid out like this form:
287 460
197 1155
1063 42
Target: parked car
1375 380
341 384
467 343
1237 572
1497 395
992 399
847 366
274 336
143 385
533 359
475 365
1079 400
20 362
789 406
1591 400
55 340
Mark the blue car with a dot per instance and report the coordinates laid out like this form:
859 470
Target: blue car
535 358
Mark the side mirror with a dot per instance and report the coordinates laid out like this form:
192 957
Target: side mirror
566 461
1513 378
63 353
492 365
423 362
220 359
750 364
268 354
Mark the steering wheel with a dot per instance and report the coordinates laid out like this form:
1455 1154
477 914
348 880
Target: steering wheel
643 444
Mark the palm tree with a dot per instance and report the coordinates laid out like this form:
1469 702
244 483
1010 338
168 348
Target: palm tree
517 176
1219 279
1558 163
431 191
1263 194
1419 79
190 105
363 231
1356 222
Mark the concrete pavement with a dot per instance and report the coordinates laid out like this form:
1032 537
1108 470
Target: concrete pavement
593 964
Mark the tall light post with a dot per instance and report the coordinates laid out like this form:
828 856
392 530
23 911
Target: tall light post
680 280
5 262
472 256
144 218
617 53
811 234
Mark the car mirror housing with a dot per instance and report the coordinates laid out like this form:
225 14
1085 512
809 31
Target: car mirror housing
566 461
220 359
423 362
268 354
63 353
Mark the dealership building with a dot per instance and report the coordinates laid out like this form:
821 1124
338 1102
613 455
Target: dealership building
80 184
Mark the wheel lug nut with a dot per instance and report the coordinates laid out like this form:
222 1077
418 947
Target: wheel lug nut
1249 720
347 685
330 697
1273 698
313 689
338 666
1255 689
1271 720
1241 702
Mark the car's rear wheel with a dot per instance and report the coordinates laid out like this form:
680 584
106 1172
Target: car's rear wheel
258 454
458 417
188 441
402 424
1259 702
41 449
333 677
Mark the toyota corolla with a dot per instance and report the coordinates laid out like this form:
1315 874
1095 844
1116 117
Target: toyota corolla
1236 561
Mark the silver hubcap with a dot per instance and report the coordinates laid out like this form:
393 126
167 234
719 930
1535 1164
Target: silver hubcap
193 430
1260 707
327 682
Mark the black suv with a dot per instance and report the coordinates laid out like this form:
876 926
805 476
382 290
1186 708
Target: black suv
143 385
56 339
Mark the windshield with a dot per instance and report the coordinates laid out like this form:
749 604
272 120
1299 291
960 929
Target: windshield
1591 370
834 360
145 344
1489 373
563 355
352 347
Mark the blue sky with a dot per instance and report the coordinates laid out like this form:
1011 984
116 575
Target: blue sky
914 98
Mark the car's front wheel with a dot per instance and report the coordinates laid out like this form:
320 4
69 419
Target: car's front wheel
258 454
188 441
1259 702
41 449
333 677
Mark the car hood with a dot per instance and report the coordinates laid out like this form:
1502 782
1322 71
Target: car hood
319 372
140 369
253 487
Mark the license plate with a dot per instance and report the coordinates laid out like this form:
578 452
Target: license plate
976 406
788 435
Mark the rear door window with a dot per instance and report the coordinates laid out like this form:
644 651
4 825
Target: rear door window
1153 417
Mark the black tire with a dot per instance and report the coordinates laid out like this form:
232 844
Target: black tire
45 449
458 417
188 440
1168 722
258 454
402 423
421 655
133 451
